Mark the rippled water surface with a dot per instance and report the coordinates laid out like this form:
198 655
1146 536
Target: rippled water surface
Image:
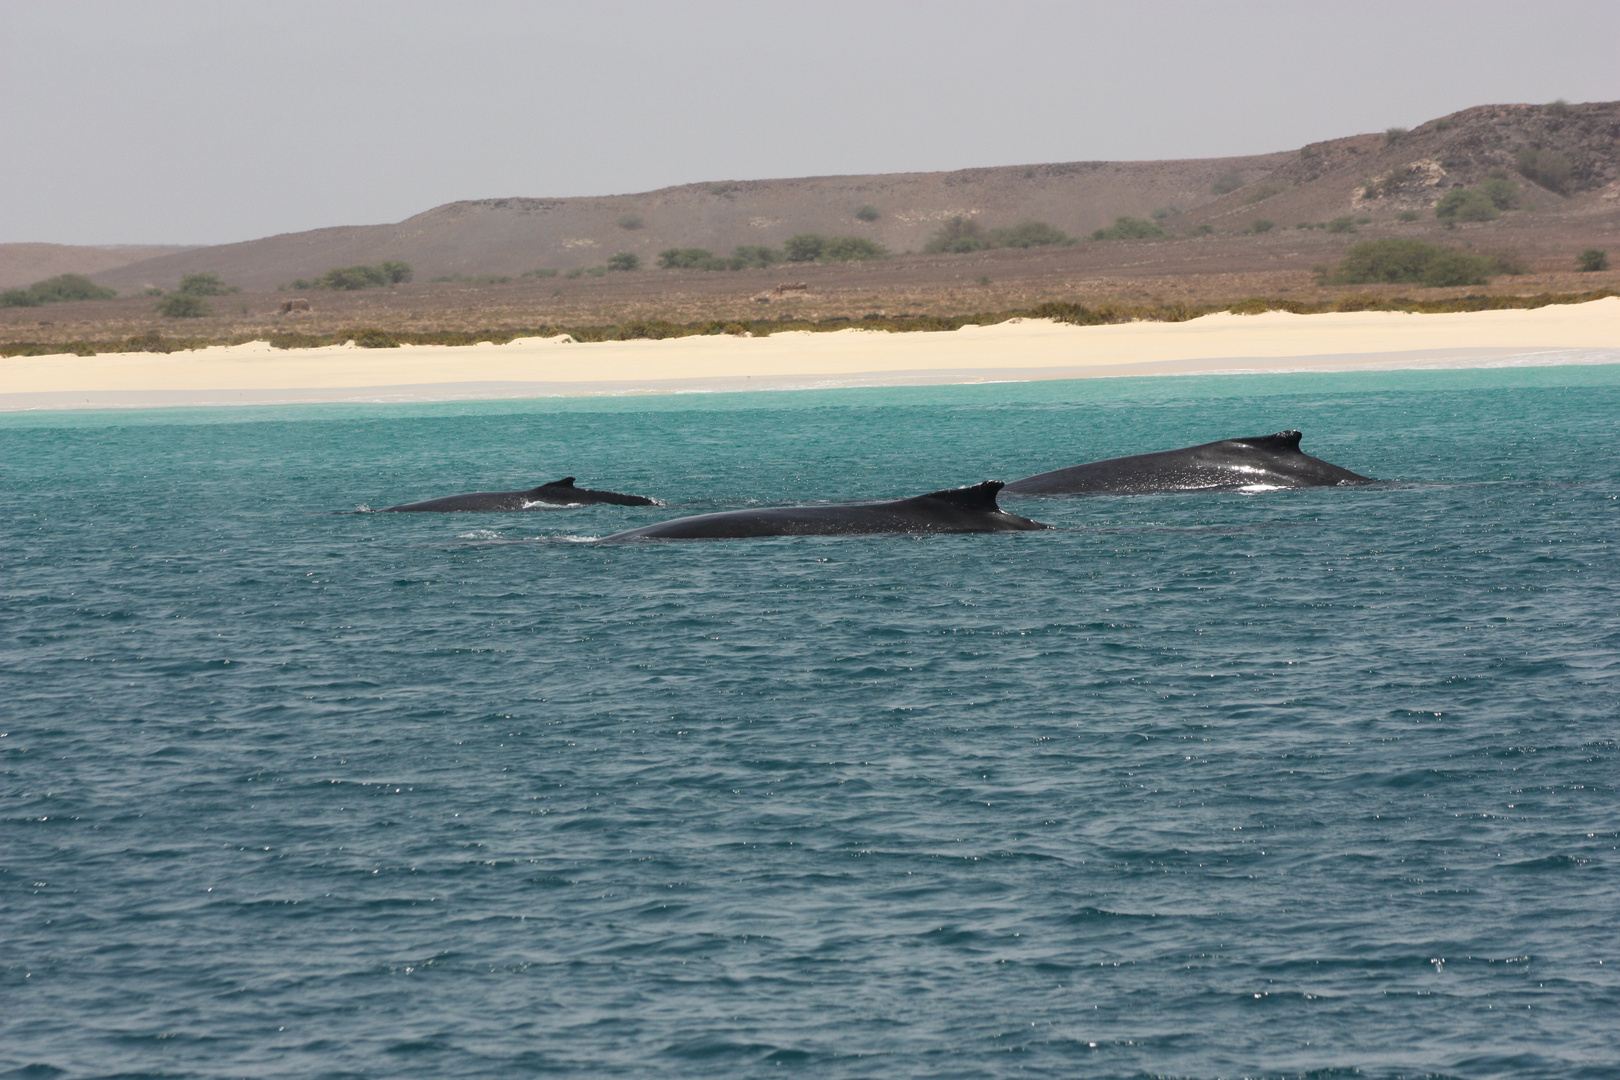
1194 786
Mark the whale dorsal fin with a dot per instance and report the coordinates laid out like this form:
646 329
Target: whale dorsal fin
1283 440
978 497
565 482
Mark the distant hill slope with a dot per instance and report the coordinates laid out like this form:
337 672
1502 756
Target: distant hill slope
1318 182
24 264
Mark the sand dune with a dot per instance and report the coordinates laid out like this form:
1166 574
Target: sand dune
1018 350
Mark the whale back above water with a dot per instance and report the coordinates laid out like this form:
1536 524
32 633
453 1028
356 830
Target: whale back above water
556 493
1264 461
956 510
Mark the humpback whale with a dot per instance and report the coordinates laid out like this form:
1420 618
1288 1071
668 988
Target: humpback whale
958 510
1263 461
557 493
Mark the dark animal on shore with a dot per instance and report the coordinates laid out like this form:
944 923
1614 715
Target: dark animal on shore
288 306
557 493
958 510
1265 461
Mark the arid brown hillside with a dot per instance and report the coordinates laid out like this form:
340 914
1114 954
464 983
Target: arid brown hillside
1211 252
24 264
509 236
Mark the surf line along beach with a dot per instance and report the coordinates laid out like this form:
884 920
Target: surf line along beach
1019 350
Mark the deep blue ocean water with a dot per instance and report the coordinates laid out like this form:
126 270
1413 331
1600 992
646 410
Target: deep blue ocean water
1294 783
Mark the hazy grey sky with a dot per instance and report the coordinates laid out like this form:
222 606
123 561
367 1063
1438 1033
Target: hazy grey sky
205 122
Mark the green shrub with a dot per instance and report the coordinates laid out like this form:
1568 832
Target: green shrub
867 212
1503 192
1391 261
297 284
1397 261
1164 212
56 290
755 256
624 260
205 285
183 306
1344 223
1197 230
1394 135
806 247
631 221
1227 181
1030 234
683 258
1548 168
1129 228
539 273
474 279
1456 268
1408 215
1465 204
852 249
1261 225
353 278
957 235
1592 260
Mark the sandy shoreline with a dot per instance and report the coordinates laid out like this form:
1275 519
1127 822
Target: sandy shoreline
1017 351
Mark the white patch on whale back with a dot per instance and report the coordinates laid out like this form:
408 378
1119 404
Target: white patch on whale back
541 505
1255 489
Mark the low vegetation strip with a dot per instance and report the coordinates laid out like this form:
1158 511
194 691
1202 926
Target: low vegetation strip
55 290
1074 314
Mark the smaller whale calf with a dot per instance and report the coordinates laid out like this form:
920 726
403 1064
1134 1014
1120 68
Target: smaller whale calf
557 493
1260 461
958 510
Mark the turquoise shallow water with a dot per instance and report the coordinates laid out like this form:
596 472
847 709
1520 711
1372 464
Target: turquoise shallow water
1317 782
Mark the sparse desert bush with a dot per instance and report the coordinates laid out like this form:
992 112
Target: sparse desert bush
1466 204
473 279
1503 192
1261 225
183 306
958 235
1408 215
353 278
56 290
852 249
755 256
1456 268
1165 212
1592 260
586 271
805 247
1227 181
1129 228
867 212
205 285
1548 168
1394 134
1344 223
684 258
1397 261
1200 230
539 273
624 260
1028 234
631 222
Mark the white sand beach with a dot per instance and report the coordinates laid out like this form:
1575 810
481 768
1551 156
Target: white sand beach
1015 351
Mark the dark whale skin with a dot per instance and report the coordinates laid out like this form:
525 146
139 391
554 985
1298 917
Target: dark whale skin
958 510
1271 460
557 493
